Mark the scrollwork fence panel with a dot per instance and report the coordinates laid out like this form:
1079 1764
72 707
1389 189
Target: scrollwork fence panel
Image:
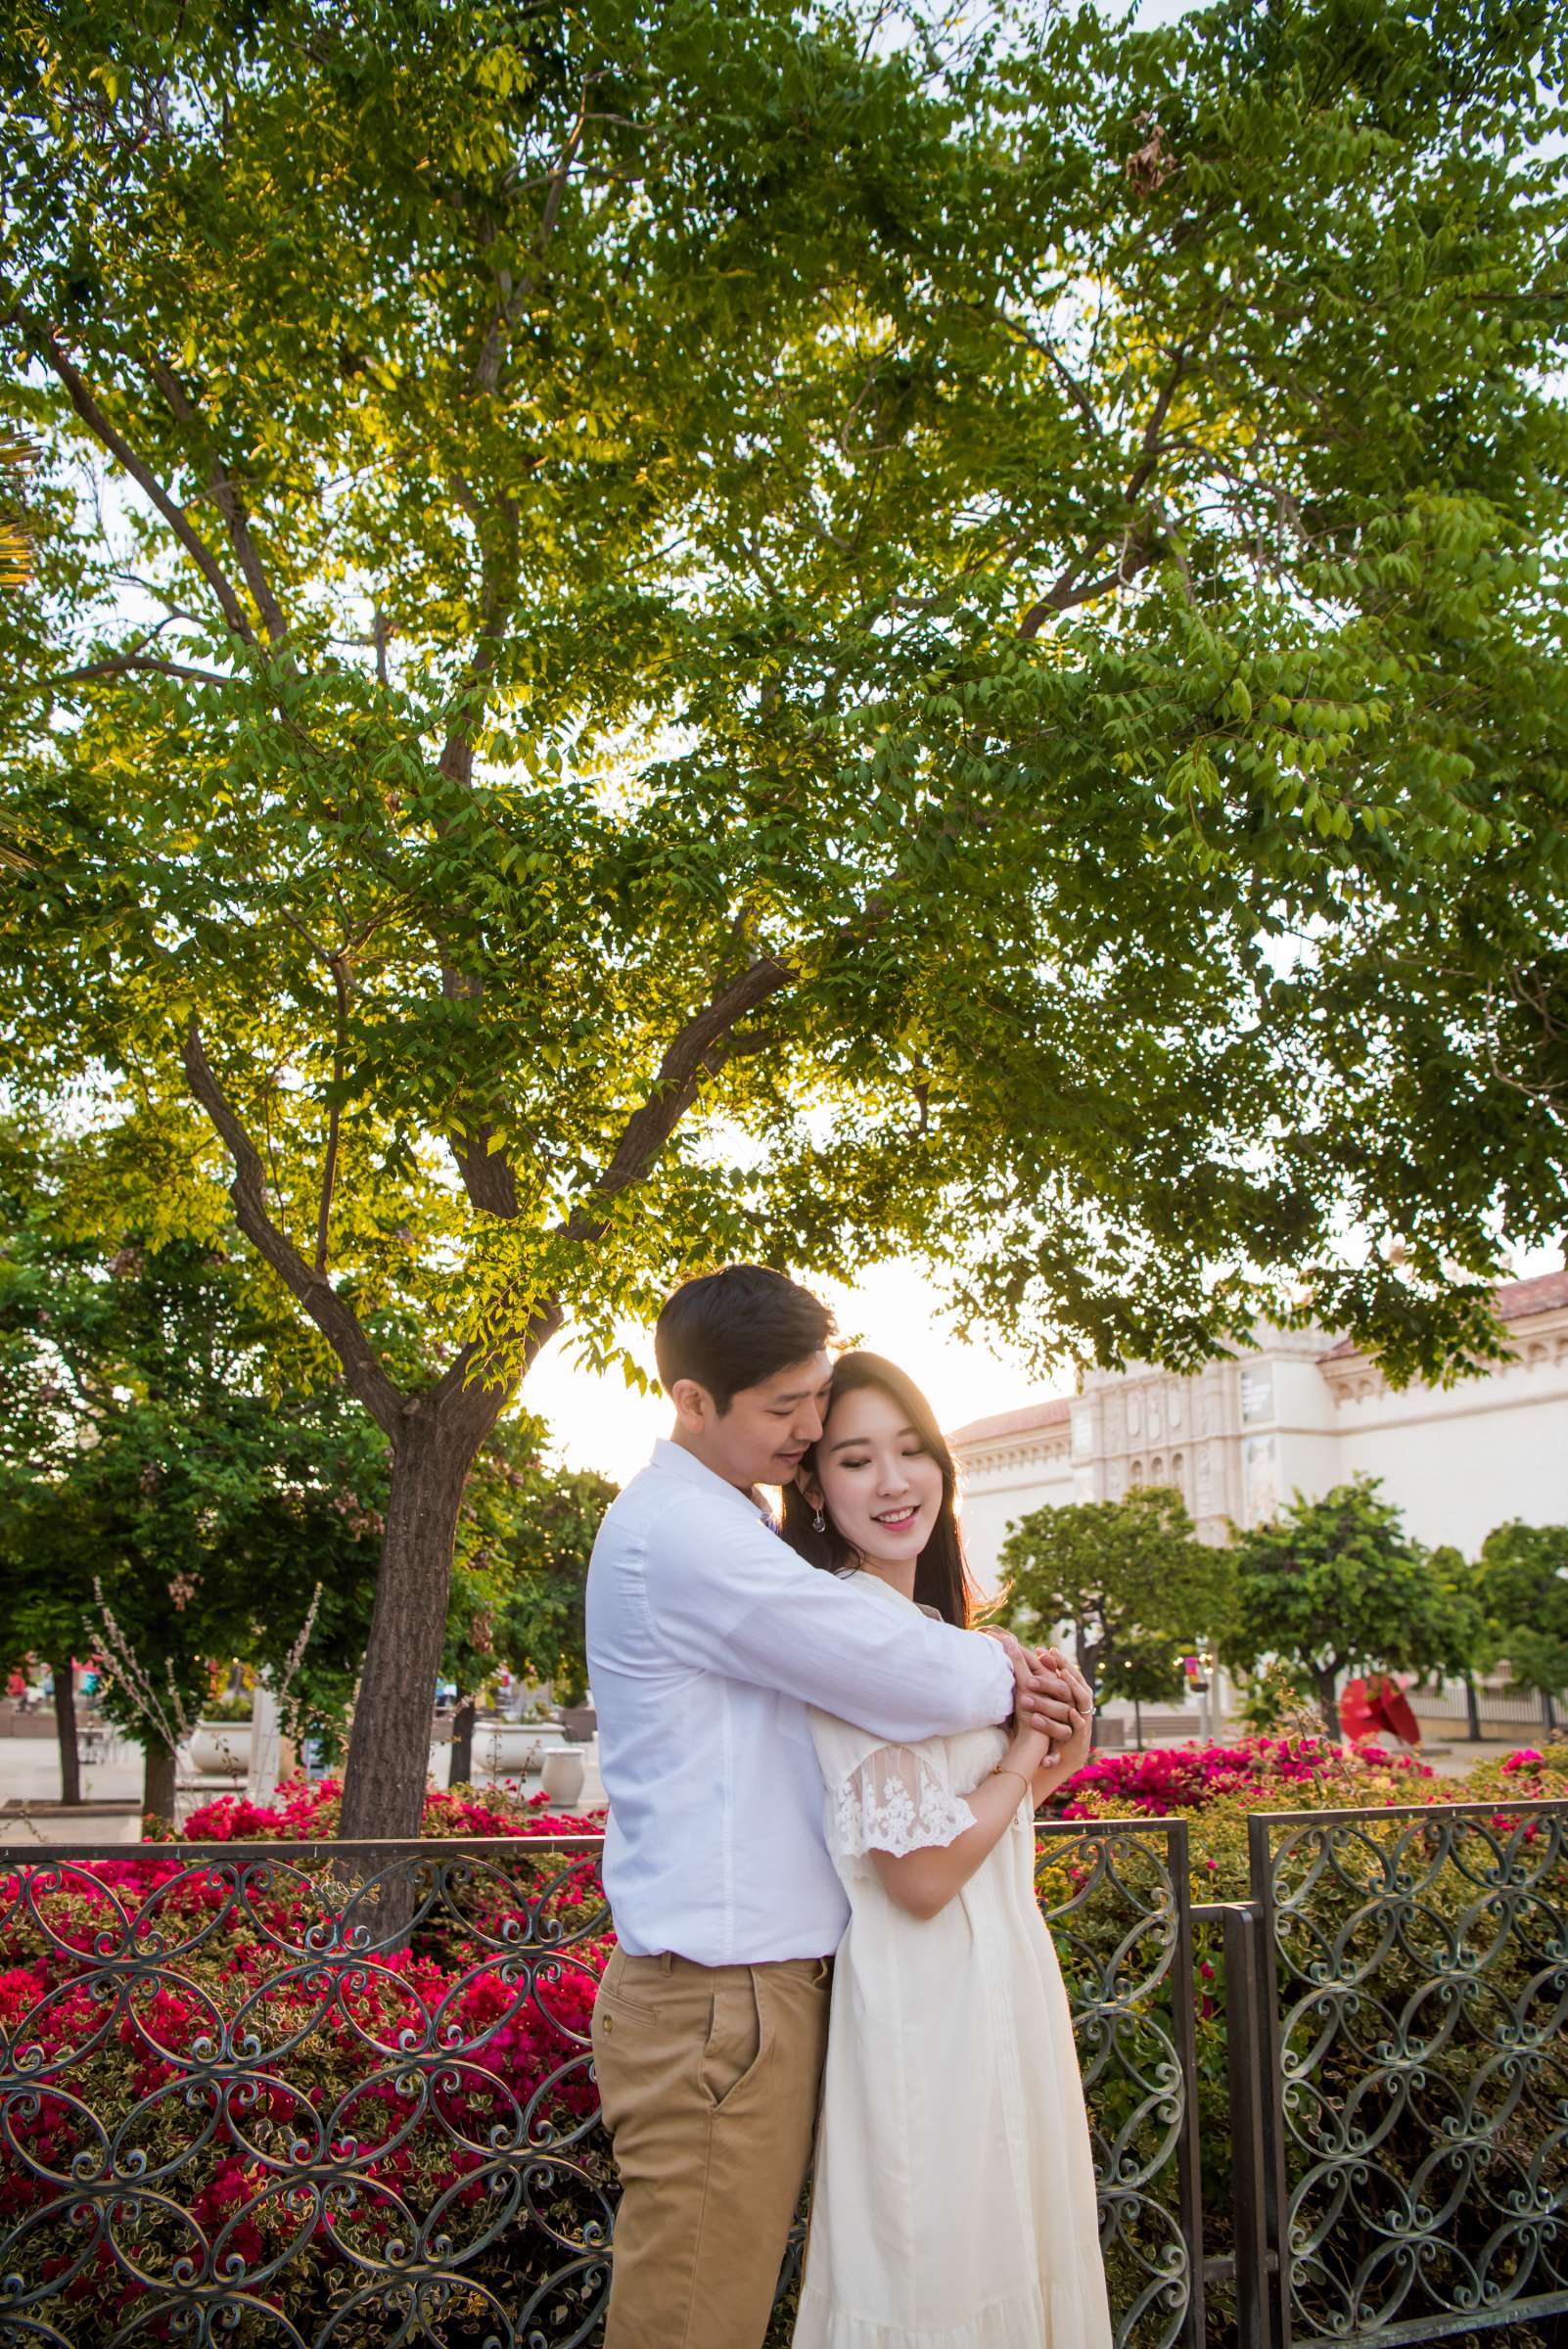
303 2094
334 2095
1115 1896
1419 2068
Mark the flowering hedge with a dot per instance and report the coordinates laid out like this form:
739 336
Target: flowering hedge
297 2105
310 1813
1263 1773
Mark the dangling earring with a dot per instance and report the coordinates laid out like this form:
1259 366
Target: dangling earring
819 1523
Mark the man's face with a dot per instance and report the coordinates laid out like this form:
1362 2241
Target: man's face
767 1429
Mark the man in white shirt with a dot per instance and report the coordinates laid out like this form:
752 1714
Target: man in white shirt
706 1638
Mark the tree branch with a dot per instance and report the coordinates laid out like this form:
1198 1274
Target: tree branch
124 664
1150 445
1142 540
1140 547
333 1316
487 1178
1054 360
488 366
229 504
45 343
482 1400
486 1175
329 1170
698 1048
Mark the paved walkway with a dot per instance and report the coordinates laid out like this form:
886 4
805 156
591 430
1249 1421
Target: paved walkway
29 1773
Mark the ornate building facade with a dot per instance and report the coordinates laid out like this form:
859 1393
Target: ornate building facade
1299 1415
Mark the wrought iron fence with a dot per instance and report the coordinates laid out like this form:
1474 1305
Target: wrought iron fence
341 2094
303 2094
1416 2090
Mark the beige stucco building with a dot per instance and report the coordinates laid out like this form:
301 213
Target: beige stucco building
1300 1413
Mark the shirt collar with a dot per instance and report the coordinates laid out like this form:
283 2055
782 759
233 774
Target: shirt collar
675 1461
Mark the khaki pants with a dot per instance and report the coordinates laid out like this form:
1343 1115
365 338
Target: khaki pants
708 2078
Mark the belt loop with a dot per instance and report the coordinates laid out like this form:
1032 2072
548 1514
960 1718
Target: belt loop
666 1960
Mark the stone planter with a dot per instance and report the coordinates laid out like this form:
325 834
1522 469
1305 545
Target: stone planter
222 1749
562 1774
579 1721
506 1749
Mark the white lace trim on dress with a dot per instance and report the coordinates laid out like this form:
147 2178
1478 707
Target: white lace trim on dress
894 1801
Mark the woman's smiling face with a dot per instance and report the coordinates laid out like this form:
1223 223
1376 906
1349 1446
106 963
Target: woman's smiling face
881 1488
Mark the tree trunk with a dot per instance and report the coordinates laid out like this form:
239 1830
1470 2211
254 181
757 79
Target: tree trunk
65 1681
1472 1710
1328 1703
461 1772
158 1783
388 1747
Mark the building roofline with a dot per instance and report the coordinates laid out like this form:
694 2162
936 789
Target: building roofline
1512 1301
1053 1410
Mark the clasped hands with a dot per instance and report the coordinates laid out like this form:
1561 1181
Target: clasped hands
1053 1700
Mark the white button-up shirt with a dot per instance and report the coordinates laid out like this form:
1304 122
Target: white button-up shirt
707 1636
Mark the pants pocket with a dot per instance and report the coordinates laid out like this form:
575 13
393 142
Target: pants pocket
633 1983
737 2041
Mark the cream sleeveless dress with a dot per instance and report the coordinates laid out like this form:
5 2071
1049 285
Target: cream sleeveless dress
952 2203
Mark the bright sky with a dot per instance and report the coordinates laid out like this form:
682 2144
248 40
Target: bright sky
601 1423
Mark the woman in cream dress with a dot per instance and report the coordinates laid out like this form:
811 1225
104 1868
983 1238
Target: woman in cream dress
954 2202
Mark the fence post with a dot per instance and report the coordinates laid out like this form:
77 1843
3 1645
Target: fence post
1246 2054
1183 2018
1273 2189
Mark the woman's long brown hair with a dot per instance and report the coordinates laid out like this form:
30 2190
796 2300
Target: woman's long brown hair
943 1580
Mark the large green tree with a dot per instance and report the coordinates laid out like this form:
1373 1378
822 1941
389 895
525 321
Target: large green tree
667 632
1129 1578
170 1450
1336 1586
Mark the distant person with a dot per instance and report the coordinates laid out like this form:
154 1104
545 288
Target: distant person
707 1638
953 2199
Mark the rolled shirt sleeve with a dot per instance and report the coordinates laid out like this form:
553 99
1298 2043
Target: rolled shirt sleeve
752 1609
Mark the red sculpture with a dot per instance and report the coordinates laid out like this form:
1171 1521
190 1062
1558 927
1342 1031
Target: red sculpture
1368 1708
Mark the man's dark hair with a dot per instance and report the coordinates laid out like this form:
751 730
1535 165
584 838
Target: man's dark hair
735 1327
